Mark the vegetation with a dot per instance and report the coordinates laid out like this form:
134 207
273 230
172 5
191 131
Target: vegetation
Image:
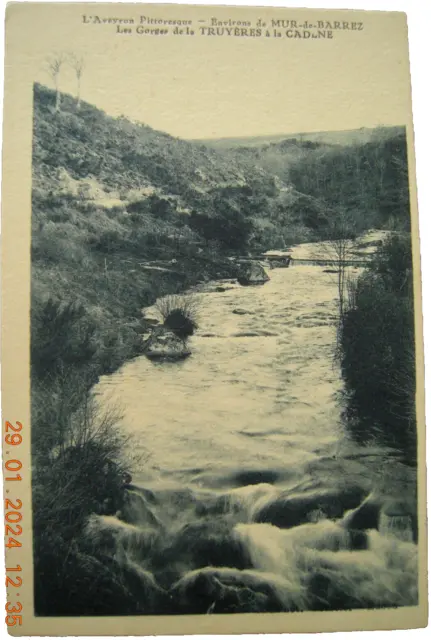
179 314
366 176
369 180
83 477
53 66
78 65
341 231
79 455
378 350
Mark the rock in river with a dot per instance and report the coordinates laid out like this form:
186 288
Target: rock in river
225 590
291 510
163 344
241 312
252 273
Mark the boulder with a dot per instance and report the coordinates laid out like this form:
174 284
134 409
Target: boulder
210 542
225 590
241 312
82 584
247 477
252 273
291 510
137 511
163 344
280 262
364 517
375 510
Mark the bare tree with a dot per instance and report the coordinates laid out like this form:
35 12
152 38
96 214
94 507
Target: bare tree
338 248
54 64
78 65
343 234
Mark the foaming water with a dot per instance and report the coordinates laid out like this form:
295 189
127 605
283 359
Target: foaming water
252 498
397 527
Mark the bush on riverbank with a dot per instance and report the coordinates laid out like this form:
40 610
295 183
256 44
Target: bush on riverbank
81 475
378 350
179 314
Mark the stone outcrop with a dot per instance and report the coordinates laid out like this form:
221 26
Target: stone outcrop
163 344
225 590
289 510
279 262
251 273
376 511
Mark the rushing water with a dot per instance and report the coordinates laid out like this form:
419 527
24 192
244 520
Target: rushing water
251 492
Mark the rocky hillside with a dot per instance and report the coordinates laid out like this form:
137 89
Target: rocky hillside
116 160
365 175
121 215
123 156
126 188
123 178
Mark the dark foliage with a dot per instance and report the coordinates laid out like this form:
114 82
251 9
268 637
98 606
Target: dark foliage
230 231
180 324
378 350
370 178
179 314
62 337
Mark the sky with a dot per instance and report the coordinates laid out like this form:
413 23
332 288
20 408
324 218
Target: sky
212 87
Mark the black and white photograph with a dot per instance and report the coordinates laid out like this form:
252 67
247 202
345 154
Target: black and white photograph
223 345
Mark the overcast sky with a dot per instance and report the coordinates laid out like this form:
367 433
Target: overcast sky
204 87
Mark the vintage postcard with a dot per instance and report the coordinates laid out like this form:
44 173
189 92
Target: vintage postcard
213 384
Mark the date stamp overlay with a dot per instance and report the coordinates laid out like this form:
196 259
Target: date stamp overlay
12 465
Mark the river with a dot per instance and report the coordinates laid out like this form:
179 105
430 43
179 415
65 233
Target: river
249 482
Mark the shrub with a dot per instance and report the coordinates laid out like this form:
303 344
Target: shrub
138 207
232 231
179 314
393 263
110 241
61 337
85 468
83 475
58 243
378 350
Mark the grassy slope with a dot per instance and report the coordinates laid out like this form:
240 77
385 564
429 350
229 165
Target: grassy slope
123 155
81 153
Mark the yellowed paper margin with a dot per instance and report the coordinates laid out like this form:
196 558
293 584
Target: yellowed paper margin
35 30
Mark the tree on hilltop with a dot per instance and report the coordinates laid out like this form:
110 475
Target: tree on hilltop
77 63
53 67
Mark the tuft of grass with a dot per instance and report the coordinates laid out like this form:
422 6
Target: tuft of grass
81 475
179 314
